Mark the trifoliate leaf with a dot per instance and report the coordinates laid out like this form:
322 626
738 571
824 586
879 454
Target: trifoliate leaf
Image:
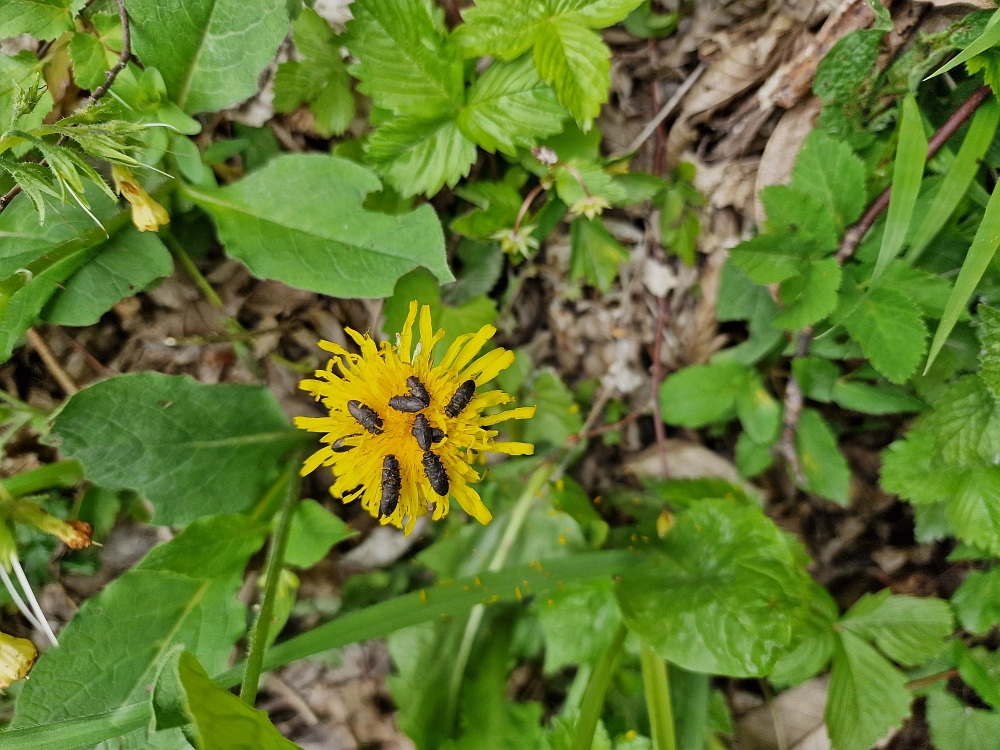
830 172
867 697
956 726
701 394
509 107
977 601
826 470
595 253
209 52
300 219
989 356
771 258
890 329
907 629
809 297
43 19
420 156
405 63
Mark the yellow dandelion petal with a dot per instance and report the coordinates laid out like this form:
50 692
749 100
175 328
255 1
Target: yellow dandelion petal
399 463
333 348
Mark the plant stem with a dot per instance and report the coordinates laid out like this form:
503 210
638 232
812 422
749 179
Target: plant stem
275 562
656 681
593 699
192 270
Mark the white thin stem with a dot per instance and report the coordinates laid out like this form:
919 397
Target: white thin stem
19 572
16 596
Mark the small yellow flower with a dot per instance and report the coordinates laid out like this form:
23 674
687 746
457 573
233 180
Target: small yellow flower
147 214
17 656
407 459
590 206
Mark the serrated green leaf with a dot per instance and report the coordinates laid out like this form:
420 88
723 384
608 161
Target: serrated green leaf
867 697
593 176
890 330
209 52
830 172
740 298
300 219
874 399
846 65
809 297
974 513
701 394
956 726
725 595
579 622
44 19
595 253
910 470
928 291
182 593
907 629
825 469
179 443
772 258
127 264
421 156
791 210
574 60
965 423
314 531
508 108
405 64
989 355
977 601
90 61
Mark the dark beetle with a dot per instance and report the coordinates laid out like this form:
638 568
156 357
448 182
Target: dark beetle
417 390
425 434
436 473
367 417
339 447
461 398
392 483
417 399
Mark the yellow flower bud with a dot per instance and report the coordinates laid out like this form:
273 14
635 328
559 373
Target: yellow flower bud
76 534
17 656
147 214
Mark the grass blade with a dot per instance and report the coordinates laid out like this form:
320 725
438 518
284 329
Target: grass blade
989 37
911 155
956 182
593 698
656 684
984 245
82 732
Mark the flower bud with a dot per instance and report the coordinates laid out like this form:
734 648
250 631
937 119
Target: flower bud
76 534
17 656
590 206
147 214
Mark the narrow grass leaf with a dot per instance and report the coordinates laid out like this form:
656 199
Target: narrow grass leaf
989 38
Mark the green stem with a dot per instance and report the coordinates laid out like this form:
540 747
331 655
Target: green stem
593 699
192 270
265 506
656 683
275 562
59 474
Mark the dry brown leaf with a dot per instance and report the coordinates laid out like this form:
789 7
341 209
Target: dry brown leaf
982 4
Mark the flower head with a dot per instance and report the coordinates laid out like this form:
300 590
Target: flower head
517 241
147 214
590 206
17 655
403 433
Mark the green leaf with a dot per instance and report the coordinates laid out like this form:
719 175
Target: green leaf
595 253
874 399
908 172
965 423
44 19
960 175
405 63
752 458
182 445
808 298
182 593
127 264
830 172
928 291
314 531
867 697
977 601
791 210
482 265
956 726
701 394
910 469
890 329
771 258
725 595
558 414
989 38
577 63
815 644
844 68
592 174
90 61
907 629
989 355
579 622
299 219
210 52
740 298
509 108
984 245
759 411
825 469
15 70
420 155
974 512
816 377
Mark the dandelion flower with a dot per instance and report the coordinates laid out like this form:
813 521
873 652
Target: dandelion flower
403 433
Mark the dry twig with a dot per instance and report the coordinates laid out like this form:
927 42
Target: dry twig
51 363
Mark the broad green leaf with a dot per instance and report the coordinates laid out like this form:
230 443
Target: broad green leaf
701 394
907 629
300 219
739 297
579 622
929 292
577 63
830 172
752 458
890 329
989 38
910 469
984 245
510 108
846 65
182 593
595 253
759 411
314 531
977 601
815 642
960 175
127 264
725 594
184 446
907 174
956 726
771 258
965 423
80 732
809 297
974 512
90 61
874 399
420 155
209 52
825 469
989 355
44 19
816 377
867 697
405 63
